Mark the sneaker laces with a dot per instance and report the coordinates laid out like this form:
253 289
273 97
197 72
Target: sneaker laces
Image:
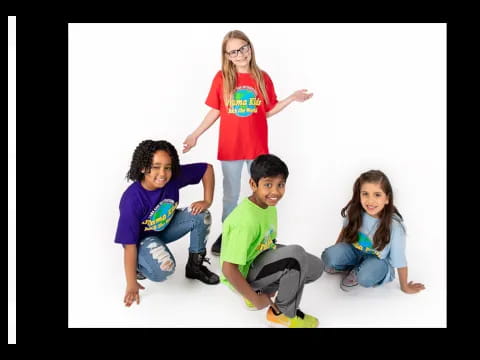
204 268
207 260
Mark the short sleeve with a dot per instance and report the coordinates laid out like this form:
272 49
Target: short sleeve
128 228
398 246
234 244
191 174
214 97
272 96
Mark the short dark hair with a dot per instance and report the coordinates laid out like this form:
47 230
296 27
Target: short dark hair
143 156
266 166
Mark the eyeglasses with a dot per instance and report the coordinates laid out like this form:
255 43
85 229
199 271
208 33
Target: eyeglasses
243 50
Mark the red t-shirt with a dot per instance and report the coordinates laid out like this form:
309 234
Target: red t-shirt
243 125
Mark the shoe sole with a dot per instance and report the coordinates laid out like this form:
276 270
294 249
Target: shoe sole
280 326
348 288
276 326
203 282
336 272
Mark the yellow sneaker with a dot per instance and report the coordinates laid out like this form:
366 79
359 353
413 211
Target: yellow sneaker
301 320
249 305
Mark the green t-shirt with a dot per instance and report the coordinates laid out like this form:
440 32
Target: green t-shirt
247 231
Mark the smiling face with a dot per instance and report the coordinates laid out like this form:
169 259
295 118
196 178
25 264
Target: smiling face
373 199
239 53
160 173
268 192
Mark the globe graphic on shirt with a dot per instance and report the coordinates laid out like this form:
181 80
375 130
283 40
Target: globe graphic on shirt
162 214
244 95
364 240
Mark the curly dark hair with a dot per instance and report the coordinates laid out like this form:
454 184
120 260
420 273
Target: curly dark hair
353 210
143 155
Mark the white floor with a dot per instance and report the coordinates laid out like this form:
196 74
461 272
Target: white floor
96 300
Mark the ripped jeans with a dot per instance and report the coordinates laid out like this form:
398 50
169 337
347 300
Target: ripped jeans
155 260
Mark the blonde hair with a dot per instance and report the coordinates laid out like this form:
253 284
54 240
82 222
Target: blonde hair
229 72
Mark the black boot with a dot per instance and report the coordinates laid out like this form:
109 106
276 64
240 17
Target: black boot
216 246
195 269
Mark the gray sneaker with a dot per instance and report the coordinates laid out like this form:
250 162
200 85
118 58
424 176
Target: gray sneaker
349 282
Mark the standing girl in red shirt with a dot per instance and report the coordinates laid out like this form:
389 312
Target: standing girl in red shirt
243 96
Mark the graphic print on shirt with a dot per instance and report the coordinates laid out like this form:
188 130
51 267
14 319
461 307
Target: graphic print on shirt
244 101
160 216
267 240
365 244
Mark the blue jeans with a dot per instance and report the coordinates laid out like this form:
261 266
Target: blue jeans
155 260
232 175
369 268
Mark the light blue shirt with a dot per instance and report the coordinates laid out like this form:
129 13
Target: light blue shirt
393 252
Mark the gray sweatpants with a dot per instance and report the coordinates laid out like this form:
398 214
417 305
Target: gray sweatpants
286 269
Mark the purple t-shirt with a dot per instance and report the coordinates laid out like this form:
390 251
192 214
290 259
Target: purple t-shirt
144 213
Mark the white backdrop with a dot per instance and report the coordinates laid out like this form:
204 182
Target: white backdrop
379 103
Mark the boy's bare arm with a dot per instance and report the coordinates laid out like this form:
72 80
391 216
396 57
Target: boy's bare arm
234 276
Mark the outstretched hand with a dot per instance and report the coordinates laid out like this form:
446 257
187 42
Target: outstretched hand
412 288
301 95
189 143
132 294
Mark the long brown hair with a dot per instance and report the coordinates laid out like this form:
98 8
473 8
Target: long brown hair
229 72
353 210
